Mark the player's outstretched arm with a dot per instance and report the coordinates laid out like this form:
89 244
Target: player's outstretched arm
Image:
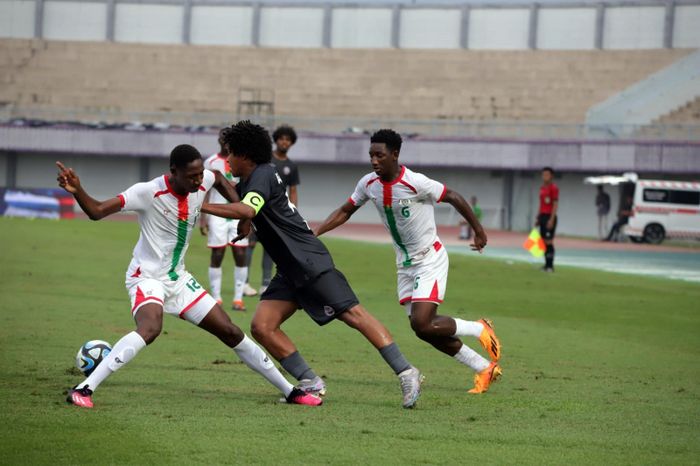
460 204
339 216
236 210
225 187
203 225
95 210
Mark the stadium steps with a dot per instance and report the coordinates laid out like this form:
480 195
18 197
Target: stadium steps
473 85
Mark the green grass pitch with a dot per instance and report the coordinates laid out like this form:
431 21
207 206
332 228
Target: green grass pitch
598 368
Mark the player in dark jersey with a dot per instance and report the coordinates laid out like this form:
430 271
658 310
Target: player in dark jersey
547 215
284 138
306 275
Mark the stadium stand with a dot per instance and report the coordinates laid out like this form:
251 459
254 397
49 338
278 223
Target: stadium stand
687 114
553 86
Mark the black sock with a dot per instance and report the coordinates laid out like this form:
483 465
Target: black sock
549 256
297 366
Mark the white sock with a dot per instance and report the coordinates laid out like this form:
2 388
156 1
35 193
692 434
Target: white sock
255 358
124 351
471 358
468 328
215 282
240 276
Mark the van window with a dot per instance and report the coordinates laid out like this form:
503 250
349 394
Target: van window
672 196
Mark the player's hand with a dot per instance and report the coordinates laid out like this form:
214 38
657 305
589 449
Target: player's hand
67 179
204 229
243 229
480 241
537 222
550 223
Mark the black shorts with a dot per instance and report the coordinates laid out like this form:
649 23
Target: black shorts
323 299
544 232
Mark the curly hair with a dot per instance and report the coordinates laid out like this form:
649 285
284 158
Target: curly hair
249 140
285 130
182 155
391 138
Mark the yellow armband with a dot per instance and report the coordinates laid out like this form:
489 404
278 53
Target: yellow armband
254 200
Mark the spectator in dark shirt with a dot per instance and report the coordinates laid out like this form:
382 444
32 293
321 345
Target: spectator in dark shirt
623 217
602 203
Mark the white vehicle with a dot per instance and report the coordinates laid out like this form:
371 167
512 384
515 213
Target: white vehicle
661 208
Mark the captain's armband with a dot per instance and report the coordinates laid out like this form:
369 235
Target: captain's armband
254 200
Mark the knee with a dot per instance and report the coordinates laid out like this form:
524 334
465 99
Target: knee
260 329
150 330
422 328
353 317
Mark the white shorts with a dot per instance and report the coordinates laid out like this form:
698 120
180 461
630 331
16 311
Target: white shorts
222 231
425 281
184 298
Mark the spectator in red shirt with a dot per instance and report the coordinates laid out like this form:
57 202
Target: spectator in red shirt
547 215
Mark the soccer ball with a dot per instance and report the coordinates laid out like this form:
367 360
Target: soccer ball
91 354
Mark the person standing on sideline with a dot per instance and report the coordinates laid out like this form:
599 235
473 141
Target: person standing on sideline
623 218
220 231
284 138
602 203
465 230
547 215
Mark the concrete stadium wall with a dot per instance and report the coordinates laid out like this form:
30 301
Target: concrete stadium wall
636 24
324 187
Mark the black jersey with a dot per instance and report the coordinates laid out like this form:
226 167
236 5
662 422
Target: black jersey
283 232
287 170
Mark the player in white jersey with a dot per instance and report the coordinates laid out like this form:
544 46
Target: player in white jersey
404 200
157 281
220 233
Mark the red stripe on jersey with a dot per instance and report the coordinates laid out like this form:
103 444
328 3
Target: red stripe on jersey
122 202
405 183
189 306
388 197
444 191
405 300
437 245
371 181
137 274
202 188
351 201
182 208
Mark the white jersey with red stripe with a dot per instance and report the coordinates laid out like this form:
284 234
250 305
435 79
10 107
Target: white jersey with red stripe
166 220
406 207
218 162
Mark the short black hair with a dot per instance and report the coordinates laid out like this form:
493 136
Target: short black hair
249 140
391 138
548 169
285 130
182 155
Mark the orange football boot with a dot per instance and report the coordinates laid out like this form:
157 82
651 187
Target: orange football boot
482 380
489 340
